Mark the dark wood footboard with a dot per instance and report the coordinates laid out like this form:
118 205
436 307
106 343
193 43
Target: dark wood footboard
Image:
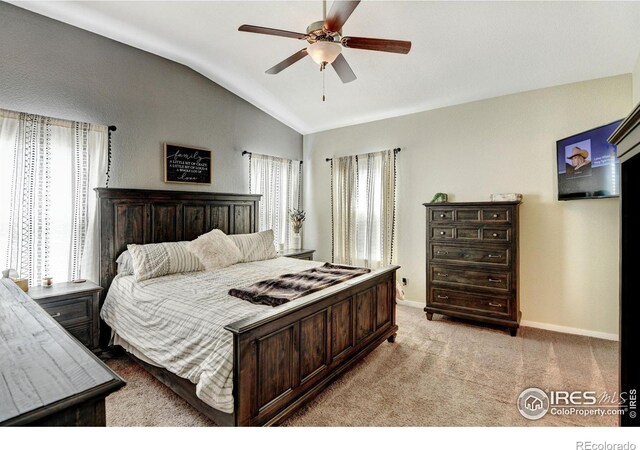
285 357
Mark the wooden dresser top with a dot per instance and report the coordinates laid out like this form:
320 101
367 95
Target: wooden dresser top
63 290
454 204
42 368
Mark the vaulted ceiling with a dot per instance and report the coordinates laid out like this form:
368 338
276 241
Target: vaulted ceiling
462 51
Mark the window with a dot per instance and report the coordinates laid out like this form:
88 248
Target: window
278 180
363 205
47 172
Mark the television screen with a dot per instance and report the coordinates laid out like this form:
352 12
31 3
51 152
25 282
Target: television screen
587 165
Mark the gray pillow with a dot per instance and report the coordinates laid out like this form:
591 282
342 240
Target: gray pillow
255 246
165 258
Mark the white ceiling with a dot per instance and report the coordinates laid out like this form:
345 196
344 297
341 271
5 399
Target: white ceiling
462 51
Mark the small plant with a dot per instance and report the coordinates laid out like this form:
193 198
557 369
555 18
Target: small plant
440 197
296 217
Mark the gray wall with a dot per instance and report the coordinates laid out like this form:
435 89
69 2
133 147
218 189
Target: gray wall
51 68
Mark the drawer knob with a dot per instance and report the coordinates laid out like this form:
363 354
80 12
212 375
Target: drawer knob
495 235
495 304
495 216
493 256
443 297
56 315
443 215
440 252
493 280
440 274
442 233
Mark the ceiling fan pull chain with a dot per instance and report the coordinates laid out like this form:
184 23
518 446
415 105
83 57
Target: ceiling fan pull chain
323 72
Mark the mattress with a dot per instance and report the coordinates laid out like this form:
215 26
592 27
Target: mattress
177 321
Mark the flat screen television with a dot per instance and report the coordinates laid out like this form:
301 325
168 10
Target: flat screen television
587 165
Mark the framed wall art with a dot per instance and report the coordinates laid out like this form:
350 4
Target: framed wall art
184 164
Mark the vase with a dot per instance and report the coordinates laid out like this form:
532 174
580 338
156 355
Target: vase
296 241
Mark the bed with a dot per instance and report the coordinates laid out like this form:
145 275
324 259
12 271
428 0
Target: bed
277 358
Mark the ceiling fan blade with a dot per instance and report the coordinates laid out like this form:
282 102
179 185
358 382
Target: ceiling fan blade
272 31
343 69
339 13
379 45
287 62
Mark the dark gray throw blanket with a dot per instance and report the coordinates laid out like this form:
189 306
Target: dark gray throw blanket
290 286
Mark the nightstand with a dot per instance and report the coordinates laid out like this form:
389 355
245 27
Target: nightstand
302 253
75 306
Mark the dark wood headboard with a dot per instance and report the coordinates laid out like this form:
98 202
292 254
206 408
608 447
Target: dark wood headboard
138 216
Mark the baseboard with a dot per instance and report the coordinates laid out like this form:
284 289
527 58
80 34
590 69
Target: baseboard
411 303
541 325
570 330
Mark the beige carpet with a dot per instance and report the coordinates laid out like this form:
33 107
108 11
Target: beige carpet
438 373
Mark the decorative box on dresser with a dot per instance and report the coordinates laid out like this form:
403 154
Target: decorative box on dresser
472 262
75 306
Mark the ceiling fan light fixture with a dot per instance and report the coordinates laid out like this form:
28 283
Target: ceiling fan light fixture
324 51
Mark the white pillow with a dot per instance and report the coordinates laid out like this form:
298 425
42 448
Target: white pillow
165 258
215 250
125 263
255 246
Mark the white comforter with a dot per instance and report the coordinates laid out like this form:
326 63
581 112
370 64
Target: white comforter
177 321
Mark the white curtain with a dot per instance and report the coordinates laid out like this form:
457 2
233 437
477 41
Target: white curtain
363 208
48 170
343 200
278 180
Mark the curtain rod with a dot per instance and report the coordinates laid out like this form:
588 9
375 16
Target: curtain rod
395 150
249 153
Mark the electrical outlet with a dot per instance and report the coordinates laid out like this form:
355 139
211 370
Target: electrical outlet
404 281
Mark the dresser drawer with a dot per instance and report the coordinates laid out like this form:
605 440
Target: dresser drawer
470 303
498 280
69 310
496 234
82 333
442 232
441 215
450 253
496 215
468 233
468 215
471 233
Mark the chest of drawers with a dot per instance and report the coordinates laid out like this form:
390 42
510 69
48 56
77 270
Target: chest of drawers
472 262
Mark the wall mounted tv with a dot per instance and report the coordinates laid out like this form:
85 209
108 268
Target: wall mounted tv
587 165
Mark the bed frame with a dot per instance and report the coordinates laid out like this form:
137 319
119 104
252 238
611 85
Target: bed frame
281 358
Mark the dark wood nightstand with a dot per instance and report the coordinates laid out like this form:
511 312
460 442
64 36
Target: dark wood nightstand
302 253
75 306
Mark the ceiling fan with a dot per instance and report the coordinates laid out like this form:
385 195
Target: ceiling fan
326 41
